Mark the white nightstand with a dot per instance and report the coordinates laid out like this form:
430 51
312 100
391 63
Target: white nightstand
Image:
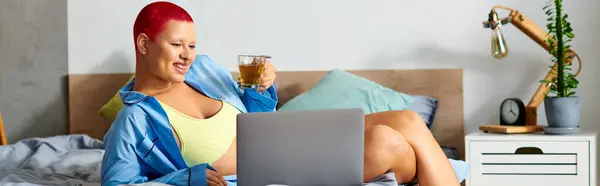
532 159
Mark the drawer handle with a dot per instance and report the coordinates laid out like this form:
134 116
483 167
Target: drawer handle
529 150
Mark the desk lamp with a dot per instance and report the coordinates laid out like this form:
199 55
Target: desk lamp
500 50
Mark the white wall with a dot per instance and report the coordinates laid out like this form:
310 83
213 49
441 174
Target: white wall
383 34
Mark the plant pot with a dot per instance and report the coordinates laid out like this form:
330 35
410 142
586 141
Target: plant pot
563 114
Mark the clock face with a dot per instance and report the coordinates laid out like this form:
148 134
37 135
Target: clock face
510 111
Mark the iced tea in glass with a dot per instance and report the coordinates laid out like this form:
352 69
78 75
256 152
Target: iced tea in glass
251 68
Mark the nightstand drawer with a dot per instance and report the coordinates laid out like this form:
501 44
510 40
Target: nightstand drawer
528 163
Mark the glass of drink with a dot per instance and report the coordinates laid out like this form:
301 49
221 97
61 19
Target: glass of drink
251 68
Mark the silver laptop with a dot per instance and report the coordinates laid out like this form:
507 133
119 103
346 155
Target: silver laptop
321 147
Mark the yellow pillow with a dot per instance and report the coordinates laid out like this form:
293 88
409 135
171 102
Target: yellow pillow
110 109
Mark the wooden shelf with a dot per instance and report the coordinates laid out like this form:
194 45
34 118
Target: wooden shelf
511 129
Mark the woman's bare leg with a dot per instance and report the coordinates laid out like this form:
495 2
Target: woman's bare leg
433 167
387 150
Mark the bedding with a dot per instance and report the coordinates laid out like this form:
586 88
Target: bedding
58 160
341 89
75 160
426 107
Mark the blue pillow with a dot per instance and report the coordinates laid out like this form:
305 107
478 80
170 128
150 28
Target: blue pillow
426 107
341 89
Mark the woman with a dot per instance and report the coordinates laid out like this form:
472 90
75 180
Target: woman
178 122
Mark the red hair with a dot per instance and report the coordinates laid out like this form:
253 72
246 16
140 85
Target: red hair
153 17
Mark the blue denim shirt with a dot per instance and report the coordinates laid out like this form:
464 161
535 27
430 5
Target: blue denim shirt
140 146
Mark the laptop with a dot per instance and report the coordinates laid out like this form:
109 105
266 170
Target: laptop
313 147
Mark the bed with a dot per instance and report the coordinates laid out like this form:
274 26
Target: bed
74 159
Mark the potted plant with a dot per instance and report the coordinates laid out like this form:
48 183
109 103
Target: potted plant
561 104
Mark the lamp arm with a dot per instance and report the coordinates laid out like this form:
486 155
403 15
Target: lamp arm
539 36
504 7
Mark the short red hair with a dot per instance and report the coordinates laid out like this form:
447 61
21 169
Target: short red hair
153 17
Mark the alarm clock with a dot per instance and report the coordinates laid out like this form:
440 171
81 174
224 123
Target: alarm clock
512 112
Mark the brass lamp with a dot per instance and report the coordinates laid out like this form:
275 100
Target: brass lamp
500 50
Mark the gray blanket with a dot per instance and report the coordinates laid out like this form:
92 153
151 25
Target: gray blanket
58 160
69 160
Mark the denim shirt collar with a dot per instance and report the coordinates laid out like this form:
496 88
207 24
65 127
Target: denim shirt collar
129 96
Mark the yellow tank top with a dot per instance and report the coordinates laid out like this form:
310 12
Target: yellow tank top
204 140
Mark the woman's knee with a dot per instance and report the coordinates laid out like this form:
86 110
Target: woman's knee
408 116
403 121
388 150
386 140
396 119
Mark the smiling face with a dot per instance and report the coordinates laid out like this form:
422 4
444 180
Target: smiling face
170 54
165 42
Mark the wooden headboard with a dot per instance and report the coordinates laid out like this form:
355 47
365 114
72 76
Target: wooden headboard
87 94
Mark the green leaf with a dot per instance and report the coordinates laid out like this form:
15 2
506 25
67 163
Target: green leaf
570 35
568 29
